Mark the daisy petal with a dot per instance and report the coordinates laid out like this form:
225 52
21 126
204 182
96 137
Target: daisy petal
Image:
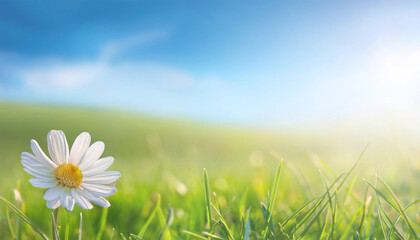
99 166
102 178
93 153
53 204
99 190
96 200
36 172
53 193
36 169
43 182
32 160
57 146
80 200
40 155
79 148
66 199
100 202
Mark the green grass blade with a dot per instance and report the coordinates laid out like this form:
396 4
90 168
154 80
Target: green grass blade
326 167
299 210
331 205
207 198
346 231
112 234
388 221
364 209
333 195
229 206
400 209
136 237
166 235
352 168
272 198
9 223
247 230
368 226
399 217
150 218
102 223
211 235
169 216
273 192
320 199
324 234
265 214
22 216
194 235
224 224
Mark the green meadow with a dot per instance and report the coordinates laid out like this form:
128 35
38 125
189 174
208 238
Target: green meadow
329 182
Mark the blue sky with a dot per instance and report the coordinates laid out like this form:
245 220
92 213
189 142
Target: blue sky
276 63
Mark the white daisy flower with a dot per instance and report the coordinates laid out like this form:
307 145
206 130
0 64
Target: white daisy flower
75 177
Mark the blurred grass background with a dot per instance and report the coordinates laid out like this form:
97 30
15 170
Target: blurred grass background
166 156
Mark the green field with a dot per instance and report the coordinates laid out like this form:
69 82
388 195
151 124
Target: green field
163 158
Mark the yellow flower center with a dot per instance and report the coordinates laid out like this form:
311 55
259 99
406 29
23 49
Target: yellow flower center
68 175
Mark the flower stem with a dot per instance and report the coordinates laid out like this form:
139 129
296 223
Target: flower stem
54 218
66 236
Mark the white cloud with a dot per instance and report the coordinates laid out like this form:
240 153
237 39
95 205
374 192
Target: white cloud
62 76
70 76
112 49
49 74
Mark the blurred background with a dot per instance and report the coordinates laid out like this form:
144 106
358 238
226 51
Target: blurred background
277 64
172 87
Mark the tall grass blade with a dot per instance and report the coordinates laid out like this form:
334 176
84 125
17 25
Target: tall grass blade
272 198
166 235
207 198
194 235
346 231
331 205
346 176
136 237
364 210
212 235
299 210
150 218
399 217
388 221
123 237
400 209
9 223
112 234
22 216
265 214
247 230
102 223
224 224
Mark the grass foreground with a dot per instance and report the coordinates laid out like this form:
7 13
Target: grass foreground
187 180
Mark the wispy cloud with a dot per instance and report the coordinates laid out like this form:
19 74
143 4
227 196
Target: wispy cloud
149 86
114 48
61 76
48 73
